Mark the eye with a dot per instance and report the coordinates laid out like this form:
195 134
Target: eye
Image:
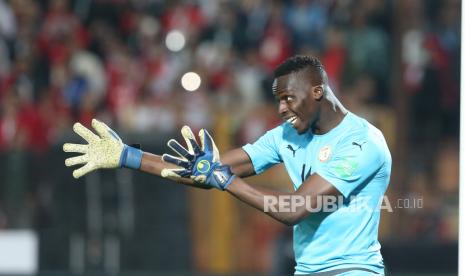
285 98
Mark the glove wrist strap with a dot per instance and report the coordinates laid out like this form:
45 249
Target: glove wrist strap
131 157
228 182
222 177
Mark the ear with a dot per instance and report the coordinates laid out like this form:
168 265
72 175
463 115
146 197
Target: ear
317 92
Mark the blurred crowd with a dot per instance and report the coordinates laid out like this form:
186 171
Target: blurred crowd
63 61
66 61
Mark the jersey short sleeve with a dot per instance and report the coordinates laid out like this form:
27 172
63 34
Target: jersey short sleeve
264 152
353 162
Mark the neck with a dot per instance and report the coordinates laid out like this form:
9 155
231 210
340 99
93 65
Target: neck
331 114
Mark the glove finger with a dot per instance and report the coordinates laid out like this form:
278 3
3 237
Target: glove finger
175 173
101 128
78 148
208 145
180 150
191 142
85 133
87 168
175 160
76 160
199 178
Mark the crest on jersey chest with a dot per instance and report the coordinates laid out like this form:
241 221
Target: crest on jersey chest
324 154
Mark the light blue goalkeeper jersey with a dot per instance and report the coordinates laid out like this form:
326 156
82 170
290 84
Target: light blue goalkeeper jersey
355 159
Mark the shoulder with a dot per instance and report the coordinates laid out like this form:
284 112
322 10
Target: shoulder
360 134
361 128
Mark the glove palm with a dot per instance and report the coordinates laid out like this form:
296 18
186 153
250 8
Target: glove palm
202 164
103 151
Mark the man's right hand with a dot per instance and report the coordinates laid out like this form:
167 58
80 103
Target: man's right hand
199 163
103 151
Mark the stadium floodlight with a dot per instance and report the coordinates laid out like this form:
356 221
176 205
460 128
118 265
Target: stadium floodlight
175 41
191 81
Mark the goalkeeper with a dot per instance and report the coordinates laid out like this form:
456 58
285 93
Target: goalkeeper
327 151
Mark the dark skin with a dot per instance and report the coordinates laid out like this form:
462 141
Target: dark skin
309 103
237 158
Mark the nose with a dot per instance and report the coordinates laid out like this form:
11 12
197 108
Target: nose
282 108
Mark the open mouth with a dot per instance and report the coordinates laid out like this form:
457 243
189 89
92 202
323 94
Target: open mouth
292 120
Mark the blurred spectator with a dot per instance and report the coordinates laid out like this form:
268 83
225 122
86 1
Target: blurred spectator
60 25
7 33
307 21
7 21
334 56
367 51
276 42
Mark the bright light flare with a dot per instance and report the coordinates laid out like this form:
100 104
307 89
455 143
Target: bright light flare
175 41
191 81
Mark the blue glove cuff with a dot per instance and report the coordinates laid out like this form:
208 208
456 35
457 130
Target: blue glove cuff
130 158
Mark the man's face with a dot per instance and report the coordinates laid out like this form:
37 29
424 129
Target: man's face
298 100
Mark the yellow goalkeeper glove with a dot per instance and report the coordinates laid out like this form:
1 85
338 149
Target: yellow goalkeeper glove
103 151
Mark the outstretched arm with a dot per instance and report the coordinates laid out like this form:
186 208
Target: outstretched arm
236 158
267 200
104 149
204 167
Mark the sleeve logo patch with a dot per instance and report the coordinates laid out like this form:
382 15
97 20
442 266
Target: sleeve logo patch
325 153
345 167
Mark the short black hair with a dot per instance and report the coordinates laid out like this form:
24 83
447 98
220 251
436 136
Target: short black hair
298 63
